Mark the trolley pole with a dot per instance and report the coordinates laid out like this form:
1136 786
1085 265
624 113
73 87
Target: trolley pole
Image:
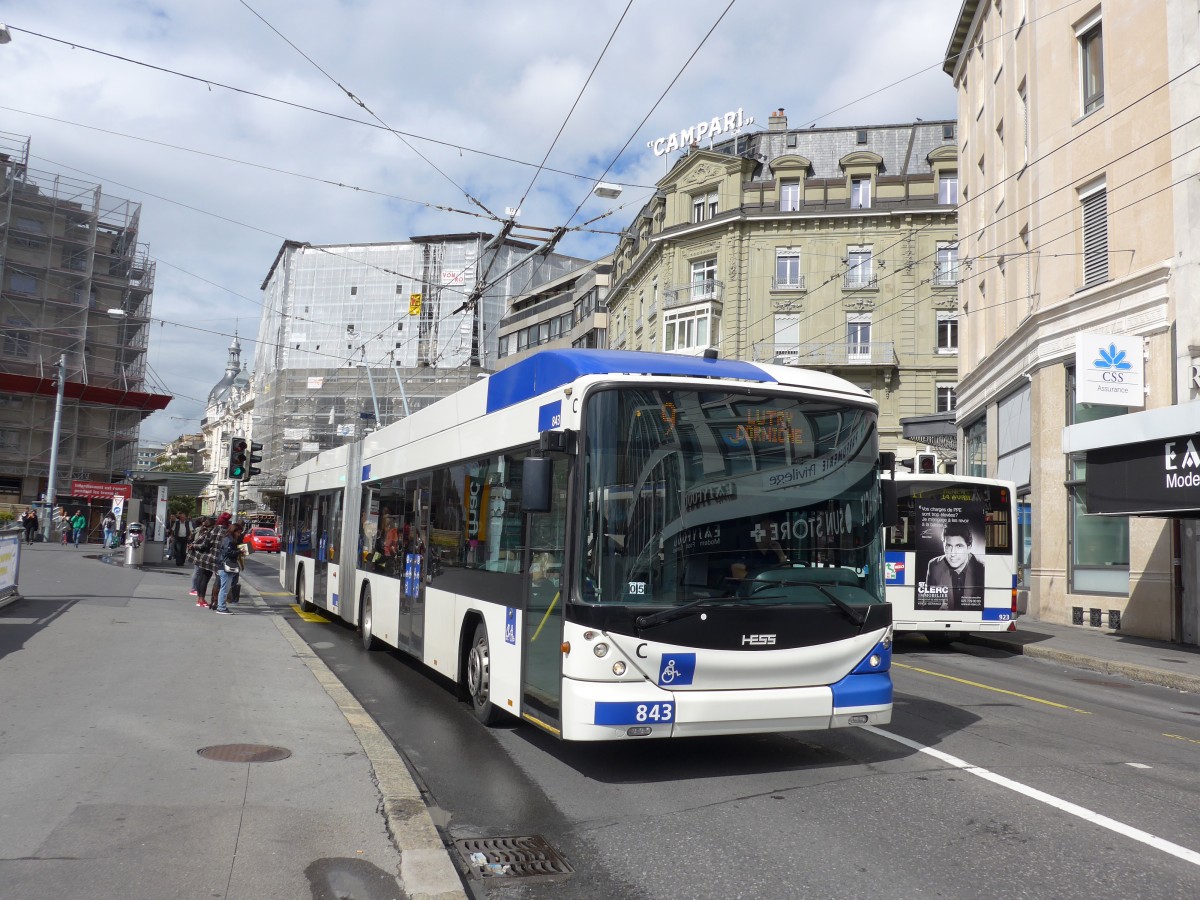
237 497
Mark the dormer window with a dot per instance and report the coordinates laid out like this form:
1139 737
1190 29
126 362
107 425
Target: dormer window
704 206
860 193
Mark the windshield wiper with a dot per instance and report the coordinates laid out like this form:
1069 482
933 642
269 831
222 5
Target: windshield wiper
855 616
668 615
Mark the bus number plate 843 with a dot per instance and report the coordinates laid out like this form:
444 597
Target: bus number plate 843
662 712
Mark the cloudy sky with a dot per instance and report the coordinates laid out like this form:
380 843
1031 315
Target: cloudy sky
135 95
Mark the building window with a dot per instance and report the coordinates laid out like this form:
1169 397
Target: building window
704 206
787 268
787 337
860 136
948 188
948 131
975 445
858 335
946 401
789 196
859 270
704 278
687 331
18 343
860 193
20 283
947 332
1091 65
945 273
1095 235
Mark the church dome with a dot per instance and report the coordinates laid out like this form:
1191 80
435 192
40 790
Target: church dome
235 376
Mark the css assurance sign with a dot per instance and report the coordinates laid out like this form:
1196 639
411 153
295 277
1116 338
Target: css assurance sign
1110 369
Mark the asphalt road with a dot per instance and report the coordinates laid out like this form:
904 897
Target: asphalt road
1000 776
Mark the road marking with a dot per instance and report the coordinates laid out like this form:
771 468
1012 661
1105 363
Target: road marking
1137 765
1180 737
276 593
1144 837
997 690
308 616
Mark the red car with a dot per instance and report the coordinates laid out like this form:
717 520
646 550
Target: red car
263 539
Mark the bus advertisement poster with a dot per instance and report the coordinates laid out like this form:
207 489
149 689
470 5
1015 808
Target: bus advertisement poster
949 574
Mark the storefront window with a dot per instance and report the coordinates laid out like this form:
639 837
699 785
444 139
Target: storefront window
1099 544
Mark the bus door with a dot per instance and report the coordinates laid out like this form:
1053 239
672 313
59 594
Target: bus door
415 551
541 635
318 538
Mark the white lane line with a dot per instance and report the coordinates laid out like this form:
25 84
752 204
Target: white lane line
1137 765
1087 815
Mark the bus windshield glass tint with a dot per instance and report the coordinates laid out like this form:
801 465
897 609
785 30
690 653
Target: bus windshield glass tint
746 498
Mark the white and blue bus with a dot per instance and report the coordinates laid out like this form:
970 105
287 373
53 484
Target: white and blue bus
951 564
613 545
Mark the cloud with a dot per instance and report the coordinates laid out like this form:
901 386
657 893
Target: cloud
495 77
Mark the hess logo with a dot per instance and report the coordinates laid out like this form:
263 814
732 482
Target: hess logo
758 640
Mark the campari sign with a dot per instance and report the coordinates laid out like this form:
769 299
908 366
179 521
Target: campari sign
1110 370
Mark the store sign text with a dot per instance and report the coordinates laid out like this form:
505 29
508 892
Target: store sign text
731 121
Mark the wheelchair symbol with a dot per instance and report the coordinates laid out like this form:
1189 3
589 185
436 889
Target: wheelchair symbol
669 672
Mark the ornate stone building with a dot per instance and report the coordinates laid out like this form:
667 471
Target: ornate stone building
829 248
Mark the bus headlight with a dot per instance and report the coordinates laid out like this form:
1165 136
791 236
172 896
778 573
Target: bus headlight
874 661
601 649
619 667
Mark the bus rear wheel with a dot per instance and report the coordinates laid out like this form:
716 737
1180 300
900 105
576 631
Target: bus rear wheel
366 622
479 677
941 638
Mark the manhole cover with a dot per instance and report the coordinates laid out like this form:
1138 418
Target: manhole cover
244 753
528 858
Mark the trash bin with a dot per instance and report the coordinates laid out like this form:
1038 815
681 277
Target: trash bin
135 548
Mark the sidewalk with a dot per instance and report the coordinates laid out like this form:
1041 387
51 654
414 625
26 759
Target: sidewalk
112 682
1098 649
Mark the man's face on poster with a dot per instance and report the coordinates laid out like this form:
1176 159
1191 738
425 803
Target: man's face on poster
958 550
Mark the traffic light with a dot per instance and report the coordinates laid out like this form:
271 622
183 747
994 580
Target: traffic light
927 463
238 463
905 464
255 456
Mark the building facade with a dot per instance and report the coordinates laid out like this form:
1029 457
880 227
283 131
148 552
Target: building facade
568 311
1079 209
357 335
76 287
829 248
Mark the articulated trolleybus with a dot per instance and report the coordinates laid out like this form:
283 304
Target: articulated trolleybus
615 545
951 556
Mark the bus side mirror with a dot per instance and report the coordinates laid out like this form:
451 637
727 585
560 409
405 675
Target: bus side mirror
891 509
537 481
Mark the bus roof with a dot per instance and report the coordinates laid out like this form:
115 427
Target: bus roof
548 369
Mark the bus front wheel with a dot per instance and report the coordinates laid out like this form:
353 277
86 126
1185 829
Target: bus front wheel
479 677
366 622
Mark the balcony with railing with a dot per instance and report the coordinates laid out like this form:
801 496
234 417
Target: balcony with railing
873 353
855 280
789 283
945 276
694 292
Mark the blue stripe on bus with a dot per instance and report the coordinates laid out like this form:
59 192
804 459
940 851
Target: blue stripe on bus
874 689
549 369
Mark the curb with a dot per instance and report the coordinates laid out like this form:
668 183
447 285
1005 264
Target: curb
426 871
1146 674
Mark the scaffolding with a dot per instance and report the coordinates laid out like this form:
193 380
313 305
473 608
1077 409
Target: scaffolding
75 284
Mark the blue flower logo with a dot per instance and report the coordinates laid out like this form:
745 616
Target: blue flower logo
1112 359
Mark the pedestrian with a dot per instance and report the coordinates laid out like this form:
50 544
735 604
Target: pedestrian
63 521
79 527
181 535
109 524
229 562
30 522
206 560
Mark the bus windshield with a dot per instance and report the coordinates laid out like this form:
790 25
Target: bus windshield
729 496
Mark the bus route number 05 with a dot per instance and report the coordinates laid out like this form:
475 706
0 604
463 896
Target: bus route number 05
662 712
